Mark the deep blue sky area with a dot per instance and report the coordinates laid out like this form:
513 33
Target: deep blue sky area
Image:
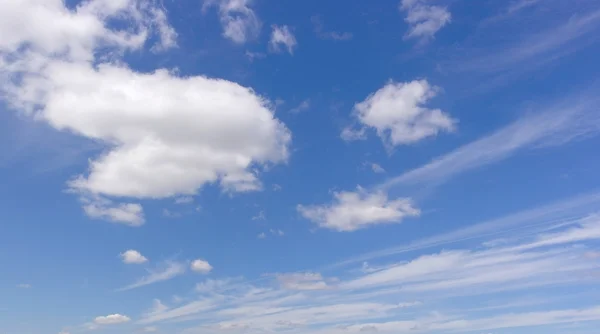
314 167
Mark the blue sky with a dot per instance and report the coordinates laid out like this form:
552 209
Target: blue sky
238 166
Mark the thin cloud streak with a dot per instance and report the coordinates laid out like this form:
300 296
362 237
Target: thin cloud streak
171 270
561 211
551 43
574 118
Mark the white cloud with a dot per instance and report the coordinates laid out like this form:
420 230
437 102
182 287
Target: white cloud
133 257
24 286
398 113
151 141
63 332
442 290
527 221
377 168
96 207
165 272
424 19
184 200
240 23
259 216
282 36
571 119
112 319
351 211
304 105
261 235
277 232
201 266
155 123
150 329
349 134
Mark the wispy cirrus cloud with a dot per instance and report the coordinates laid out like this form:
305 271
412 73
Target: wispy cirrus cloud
415 291
165 272
558 123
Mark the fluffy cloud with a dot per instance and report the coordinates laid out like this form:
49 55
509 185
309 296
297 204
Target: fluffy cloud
133 257
112 319
424 19
201 266
398 113
353 210
160 124
54 66
239 21
281 36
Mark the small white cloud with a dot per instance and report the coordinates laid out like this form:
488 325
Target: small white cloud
260 216
63 332
277 232
424 19
184 200
398 113
150 329
201 266
277 187
133 257
262 235
304 105
350 134
240 23
112 319
377 168
24 286
351 211
131 214
282 36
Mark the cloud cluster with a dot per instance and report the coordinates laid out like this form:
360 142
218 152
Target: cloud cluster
57 64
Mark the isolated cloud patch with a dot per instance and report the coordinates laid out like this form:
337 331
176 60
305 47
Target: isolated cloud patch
399 114
112 319
133 257
353 210
201 266
240 23
424 19
282 37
